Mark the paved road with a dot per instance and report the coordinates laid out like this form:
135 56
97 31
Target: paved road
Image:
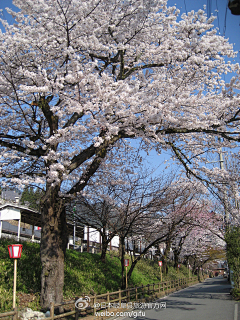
210 300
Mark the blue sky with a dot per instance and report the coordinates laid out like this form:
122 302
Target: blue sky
232 22
225 21
232 27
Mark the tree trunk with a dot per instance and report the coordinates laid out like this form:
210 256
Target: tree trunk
138 258
198 274
122 254
165 256
164 265
104 246
194 266
54 238
176 258
134 248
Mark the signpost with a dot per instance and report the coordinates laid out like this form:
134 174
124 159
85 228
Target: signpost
74 226
178 266
126 264
189 271
15 251
160 266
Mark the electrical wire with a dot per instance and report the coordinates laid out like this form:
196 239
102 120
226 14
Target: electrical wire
225 21
218 16
185 6
209 8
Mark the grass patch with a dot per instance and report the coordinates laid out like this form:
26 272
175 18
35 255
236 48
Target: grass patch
85 274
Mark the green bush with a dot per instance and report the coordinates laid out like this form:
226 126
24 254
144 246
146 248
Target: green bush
232 238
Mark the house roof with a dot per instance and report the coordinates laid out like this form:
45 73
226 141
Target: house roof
33 217
28 215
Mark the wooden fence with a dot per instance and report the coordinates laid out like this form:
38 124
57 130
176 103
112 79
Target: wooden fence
110 299
13 314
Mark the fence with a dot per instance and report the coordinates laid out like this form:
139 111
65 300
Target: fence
108 300
13 313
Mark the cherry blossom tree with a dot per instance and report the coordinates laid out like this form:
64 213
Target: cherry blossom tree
205 241
184 205
124 205
79 77
174 214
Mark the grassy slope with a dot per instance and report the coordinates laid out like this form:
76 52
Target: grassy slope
84 274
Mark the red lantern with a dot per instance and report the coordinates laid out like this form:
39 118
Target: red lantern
126 262
15 250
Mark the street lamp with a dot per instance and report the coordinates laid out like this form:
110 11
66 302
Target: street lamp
15 251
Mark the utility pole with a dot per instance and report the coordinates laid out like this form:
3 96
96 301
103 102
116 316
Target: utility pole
224 193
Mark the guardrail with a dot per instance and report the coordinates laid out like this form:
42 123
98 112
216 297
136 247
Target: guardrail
110 299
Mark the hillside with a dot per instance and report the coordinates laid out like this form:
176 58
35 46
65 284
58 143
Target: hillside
84 274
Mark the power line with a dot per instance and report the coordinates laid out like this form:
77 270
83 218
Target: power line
185 6
218 16
209 8
225 21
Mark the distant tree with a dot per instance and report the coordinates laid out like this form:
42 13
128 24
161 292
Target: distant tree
99 214
232 238
31 197
122 204
171 212
205 241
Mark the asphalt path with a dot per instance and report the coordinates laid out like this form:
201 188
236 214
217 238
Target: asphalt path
209 300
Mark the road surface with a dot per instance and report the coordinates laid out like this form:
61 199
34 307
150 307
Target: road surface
209 300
